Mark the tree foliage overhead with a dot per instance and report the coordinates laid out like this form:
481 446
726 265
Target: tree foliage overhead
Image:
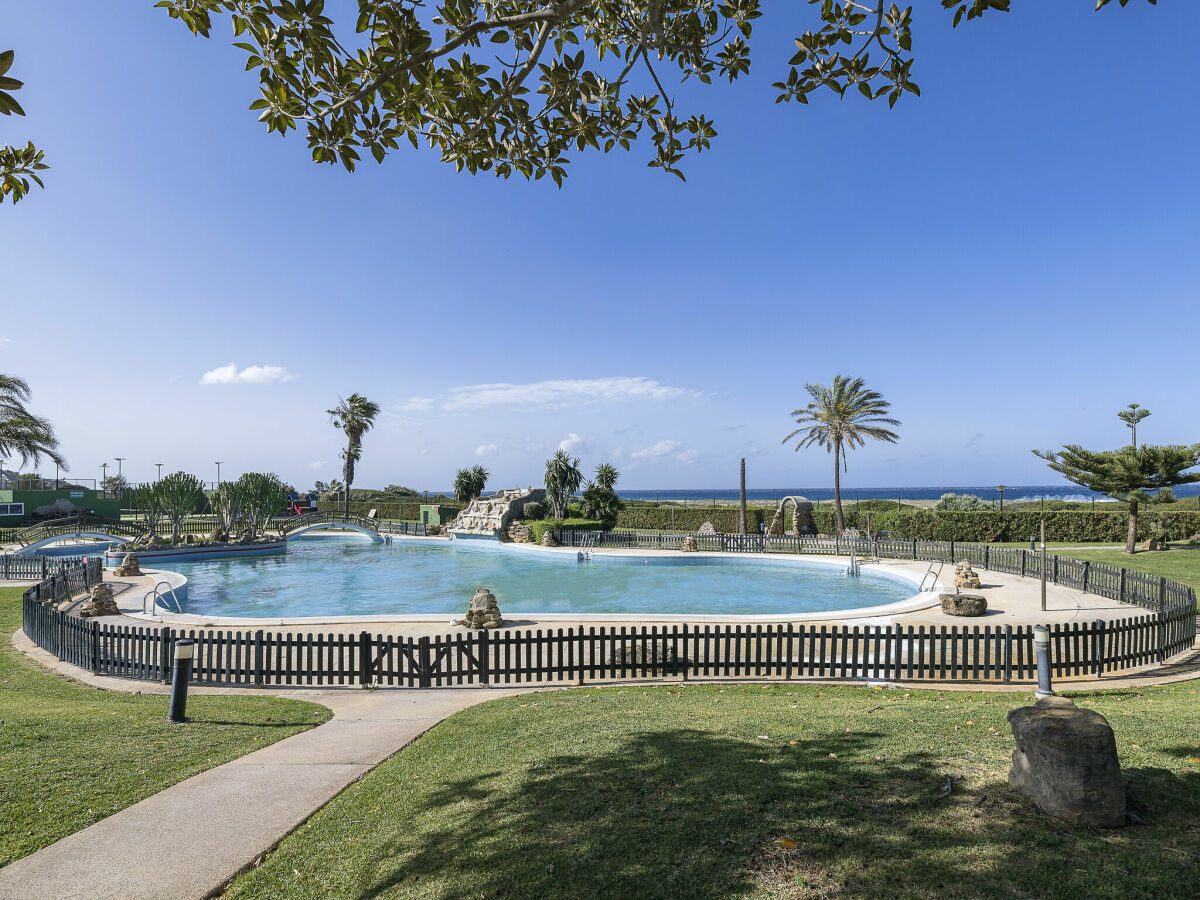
18 165
563 477
469 483
517 85
22 434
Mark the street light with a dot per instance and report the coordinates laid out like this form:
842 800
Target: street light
1000 488
159 466
185 653
103 476
218 464
119 459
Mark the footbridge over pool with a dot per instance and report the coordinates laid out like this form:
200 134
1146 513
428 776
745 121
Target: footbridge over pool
36 537
299 525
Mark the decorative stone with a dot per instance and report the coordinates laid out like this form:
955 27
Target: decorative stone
1156 545
963 604
706 528
633 654
965 577
520 533
129 566
155 540
689 545
483 612
216 536
100 603
549 540
1066 762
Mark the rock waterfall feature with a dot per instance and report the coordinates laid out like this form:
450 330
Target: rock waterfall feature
491 516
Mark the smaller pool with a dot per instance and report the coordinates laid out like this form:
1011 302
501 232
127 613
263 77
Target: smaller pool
325 576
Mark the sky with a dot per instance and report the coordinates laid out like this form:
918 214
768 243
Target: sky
1008 259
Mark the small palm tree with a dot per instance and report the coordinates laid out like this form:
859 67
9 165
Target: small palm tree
354 415
22 434
469 483
839 418
563 478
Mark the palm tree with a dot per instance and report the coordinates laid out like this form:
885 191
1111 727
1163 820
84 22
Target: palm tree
839 418
469 483
354 415
21 432
563 478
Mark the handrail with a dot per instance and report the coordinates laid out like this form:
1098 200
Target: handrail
928 572
323 518
155 597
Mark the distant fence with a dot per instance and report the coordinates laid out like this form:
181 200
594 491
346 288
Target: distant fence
996 654
34 568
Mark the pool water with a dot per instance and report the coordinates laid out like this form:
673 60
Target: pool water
324 576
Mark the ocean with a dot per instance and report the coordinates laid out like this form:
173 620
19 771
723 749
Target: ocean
1012 493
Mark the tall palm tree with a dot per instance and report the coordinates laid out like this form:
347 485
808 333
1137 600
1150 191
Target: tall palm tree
21 432
839 418
354 415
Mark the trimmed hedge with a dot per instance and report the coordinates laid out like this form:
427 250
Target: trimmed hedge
1061 525
409 511
690 518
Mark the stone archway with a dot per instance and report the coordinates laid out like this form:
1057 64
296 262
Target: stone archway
781 515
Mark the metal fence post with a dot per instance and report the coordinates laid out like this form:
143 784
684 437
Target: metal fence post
1007 654
364 659
94 643
484 656
1098 648
258 658
164 648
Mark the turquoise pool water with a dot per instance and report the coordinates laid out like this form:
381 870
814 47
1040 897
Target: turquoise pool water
345 576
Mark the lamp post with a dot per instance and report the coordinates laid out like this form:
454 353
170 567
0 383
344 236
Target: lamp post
119 459
103 476
218 464
185 652
1000 488
1043 565
56 476
1041 648
159 467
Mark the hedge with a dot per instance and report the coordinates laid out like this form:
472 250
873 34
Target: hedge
409 511
1061 525
690 518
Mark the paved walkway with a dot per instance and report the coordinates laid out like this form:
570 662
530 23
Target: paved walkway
189 840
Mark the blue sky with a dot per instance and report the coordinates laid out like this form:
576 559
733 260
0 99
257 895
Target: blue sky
1009 259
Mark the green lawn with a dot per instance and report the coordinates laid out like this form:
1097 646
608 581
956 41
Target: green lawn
1181 563
70 754
692 792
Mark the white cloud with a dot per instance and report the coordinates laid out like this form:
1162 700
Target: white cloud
4 340
250 375
655 451
416 404
556 394
573 443
320 464
487 450
688 456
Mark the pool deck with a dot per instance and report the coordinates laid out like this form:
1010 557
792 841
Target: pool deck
1011 600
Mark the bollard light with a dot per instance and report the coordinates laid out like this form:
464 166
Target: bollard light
1041 649
185 652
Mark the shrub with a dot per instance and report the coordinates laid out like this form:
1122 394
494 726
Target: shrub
1061 525
534 511
540 528
961 503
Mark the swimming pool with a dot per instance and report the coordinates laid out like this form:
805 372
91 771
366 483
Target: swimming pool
327 576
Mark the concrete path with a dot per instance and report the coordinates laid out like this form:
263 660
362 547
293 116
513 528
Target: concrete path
189 840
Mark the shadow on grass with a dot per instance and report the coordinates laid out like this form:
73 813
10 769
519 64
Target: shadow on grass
683 813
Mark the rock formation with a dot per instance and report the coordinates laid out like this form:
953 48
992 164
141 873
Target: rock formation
129 566
548 539
1066 763
689 545
963 604
706 528
965 577
483 612
519 533
1152 544
100 603
491 516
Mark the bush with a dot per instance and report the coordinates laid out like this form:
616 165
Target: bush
690 518
409 511
1061 525
961 503
534 511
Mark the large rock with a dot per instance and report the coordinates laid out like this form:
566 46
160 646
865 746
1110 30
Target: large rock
483 611
100 603
706 528
1066 763
965 577
963 604
1153 544
548 539
689 545
129 566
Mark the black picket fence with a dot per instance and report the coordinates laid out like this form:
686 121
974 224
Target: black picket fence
1001 654
34 568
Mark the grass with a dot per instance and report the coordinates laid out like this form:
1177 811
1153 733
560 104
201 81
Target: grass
1181 563
700 792
71 755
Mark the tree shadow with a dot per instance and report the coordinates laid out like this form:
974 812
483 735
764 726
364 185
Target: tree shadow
689 813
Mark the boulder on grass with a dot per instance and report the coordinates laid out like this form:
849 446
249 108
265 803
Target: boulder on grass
963 604
1066 762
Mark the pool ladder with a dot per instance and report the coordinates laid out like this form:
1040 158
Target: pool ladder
855 567
154 597
936 575
585 549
